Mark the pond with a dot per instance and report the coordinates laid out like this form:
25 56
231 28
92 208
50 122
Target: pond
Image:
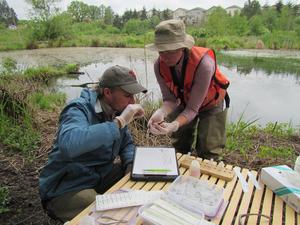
262 93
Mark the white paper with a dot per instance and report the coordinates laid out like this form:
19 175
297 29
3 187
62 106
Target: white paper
155 161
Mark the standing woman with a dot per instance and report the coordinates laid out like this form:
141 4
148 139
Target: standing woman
193 91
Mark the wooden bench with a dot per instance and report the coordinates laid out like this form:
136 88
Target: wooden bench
262 201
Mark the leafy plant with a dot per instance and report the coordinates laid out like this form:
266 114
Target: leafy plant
279 152
9 65
280 130
48 102
4 194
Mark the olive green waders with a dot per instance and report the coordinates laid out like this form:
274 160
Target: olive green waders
209 129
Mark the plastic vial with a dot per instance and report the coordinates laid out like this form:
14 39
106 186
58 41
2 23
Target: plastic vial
195 168
297 164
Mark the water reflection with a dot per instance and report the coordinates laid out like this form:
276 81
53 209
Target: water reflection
265 89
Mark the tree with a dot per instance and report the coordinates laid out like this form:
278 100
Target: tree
269 18
78 10
238 25
127 16
286 20
217 22
109 16
43 9
279 6
256 25
166 14
94 12
7 14
136 26
143 15
48 24
118 21
251 8
102 11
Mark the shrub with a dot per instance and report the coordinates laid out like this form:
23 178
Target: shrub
136 26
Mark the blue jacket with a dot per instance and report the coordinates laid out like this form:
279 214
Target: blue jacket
84 150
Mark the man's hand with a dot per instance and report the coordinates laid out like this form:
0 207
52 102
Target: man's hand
131 112
164 128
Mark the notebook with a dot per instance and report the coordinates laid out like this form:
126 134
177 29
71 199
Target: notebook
155 164
125 199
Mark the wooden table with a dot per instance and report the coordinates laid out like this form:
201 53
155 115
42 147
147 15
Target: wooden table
255 201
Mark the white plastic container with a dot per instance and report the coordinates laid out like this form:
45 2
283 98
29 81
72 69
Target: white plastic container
178 213
195 169
196 195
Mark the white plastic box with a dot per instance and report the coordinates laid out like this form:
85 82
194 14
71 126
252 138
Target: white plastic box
196 195
284 182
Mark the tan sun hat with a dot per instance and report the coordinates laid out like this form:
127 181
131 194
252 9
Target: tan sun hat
170 35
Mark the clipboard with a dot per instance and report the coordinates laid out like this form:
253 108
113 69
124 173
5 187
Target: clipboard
154 164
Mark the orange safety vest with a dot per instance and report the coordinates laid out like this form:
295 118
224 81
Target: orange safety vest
218 85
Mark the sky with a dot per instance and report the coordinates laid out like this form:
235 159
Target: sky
119 6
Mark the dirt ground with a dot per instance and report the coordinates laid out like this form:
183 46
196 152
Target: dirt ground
21 177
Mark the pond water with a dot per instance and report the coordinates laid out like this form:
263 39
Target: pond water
255 94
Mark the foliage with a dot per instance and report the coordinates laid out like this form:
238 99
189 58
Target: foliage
48 102
83 12
4 194
281 130
136 26
275 28
19 125
7 14
108 16
9 65
251 8
43 9
275 152
239 25
69 68
18 135
53 28
217 22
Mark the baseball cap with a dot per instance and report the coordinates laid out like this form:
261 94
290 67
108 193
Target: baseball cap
123 77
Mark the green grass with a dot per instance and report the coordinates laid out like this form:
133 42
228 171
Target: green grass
47 102
18 110
18 133
4 194
276 152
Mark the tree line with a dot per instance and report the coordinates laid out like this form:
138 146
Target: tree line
49 23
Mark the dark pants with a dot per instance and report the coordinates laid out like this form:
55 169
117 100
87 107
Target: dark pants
206 131
68 205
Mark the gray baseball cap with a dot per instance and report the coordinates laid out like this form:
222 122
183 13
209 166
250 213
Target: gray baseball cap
120 76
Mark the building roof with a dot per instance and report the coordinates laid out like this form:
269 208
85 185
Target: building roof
197 8
180 9
234 7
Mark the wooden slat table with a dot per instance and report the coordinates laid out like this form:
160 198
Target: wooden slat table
255 201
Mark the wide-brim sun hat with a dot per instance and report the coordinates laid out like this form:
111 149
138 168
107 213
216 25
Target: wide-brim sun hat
122 77
170 35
